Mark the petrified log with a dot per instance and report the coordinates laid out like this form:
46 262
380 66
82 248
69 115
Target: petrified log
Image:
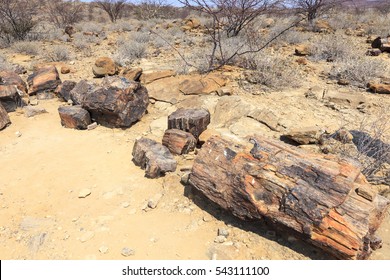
194 121
178 141
117 103
11 78
4 119
326 200
10 97
74 117
153 157
44 79
64 89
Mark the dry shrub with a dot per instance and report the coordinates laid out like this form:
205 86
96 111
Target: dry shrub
4 65
129 51
59 53
359 70
26 47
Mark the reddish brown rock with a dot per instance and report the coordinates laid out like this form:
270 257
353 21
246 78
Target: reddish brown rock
302 50
324 200
178 141
65 70
306 135
380 88
74 117
78 93
4 118
104 66
64 89
194 121
44 79
153 157
11 78
117 103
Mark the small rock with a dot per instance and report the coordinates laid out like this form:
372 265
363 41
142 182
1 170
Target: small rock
84 193
92 126
125 204
126 252
104 66
87 236
223 232
18 133
220 239
153 202
185 178
103 249
207 218
65 70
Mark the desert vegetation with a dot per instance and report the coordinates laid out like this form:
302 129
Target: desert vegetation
128 77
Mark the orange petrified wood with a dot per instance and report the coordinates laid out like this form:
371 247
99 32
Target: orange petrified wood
324 199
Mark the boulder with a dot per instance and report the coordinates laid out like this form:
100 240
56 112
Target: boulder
74 117
149 77
4 118
11 78
178 141
78 93
202 85
306 135
116 103
104 66
10 97
64 89
43 79
155 158
194 121
380 88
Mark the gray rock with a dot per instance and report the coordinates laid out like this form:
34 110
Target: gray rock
127 252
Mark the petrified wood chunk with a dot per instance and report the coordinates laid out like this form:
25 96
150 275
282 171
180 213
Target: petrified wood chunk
64 89
74 117
324 199
44 79
10 97
178 141
153 157
4 119
11 78
194 121
117 103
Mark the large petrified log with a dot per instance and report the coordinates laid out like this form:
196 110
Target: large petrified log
43 79
325 199
178 141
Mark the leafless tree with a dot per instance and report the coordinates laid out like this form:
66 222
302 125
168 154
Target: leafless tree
232 15
63 13
114 8
314 8
148 9
16 19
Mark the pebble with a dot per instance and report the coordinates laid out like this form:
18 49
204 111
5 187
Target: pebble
103 249
207 218
220 239
92 126
223 232
125 204
153 202
18 133
87 236
84 193
126 252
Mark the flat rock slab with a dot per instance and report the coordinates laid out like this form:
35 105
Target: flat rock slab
31 111
306 135
194 121
178 141
155 158
352 100
116 103
195 85
74 117
4 118
43 79
149 77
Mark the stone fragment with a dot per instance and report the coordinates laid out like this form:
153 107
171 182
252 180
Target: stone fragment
104 66
74 117
178 141
194 121
64 89
43 79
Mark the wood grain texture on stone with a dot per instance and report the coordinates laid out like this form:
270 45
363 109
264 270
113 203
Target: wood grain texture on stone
10 97
4 118
11 78
323 199
155 158
64 89
74 117
178 141
117 102
43 79
194 121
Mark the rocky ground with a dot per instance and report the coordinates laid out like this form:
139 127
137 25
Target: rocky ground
76 194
